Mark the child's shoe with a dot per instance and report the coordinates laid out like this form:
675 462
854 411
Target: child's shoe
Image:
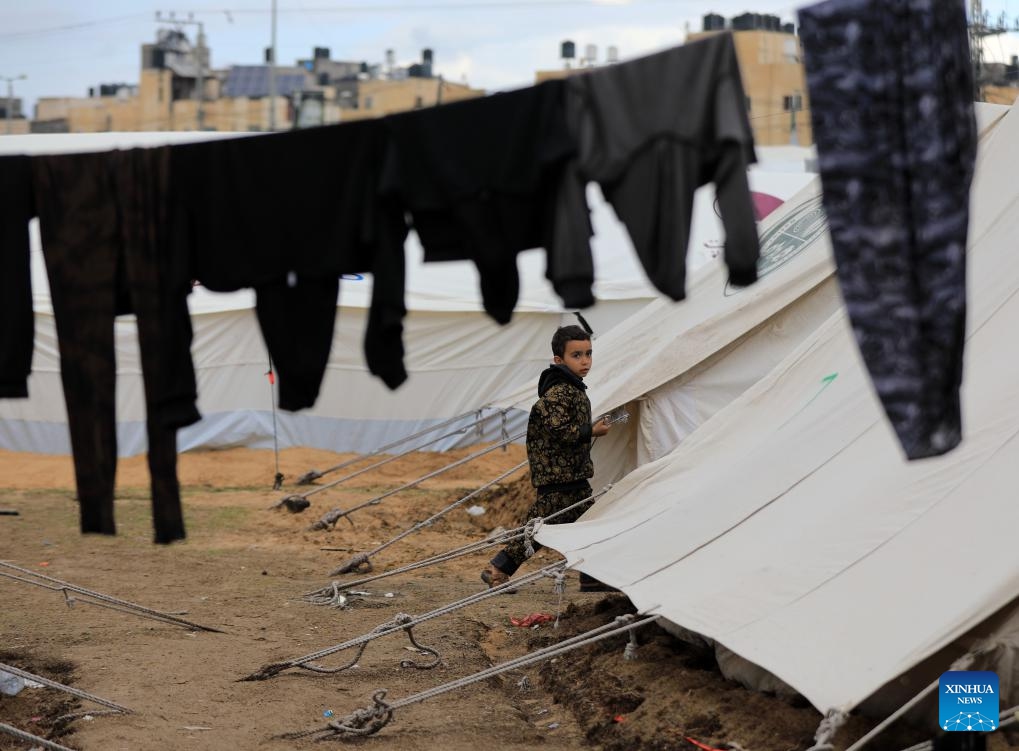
493 577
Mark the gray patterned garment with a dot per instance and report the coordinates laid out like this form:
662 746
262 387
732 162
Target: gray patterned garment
891 96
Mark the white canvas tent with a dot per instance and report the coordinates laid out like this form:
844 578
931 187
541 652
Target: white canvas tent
788 528
458 359
720 341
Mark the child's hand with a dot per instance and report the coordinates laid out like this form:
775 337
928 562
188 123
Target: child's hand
601 427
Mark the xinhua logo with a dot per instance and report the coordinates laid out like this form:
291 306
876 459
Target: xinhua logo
968 700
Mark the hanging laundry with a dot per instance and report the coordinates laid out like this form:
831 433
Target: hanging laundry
297 317
102 220
650 132
479 179
16 323
891 99
301 205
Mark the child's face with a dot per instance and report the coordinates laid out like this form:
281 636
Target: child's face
576 357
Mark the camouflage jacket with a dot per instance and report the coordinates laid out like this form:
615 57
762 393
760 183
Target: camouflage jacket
559 430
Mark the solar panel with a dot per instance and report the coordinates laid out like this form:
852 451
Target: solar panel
253 81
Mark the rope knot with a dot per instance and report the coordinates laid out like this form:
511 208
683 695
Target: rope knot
826 730
530 530
366 721
558 581
358 563
400 620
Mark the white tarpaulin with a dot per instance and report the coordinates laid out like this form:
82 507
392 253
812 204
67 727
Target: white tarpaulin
789 528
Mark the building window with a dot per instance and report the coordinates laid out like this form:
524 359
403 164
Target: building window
791 52
794 102
367 102
418 102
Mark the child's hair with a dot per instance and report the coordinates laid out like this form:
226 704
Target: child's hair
565 334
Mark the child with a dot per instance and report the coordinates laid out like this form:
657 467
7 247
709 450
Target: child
559 433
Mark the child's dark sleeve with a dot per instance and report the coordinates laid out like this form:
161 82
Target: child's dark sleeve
561 413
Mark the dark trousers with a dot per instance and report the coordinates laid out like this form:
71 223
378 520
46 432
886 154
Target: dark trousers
509 559
101 230
16 321
891 98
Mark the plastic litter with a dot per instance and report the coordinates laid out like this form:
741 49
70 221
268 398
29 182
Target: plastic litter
534 619
11 685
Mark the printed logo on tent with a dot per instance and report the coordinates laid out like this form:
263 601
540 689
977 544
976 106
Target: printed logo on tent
786 239
968 700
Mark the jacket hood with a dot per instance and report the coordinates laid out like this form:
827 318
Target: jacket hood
554 374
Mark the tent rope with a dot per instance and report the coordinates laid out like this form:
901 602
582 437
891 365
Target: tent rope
1006 718
113 706
104 600
369 468
370 720
326 595
960 664
362 471
311 475
826 730
559 587
277 482
400 621
34 739
530 529
336 514
360 562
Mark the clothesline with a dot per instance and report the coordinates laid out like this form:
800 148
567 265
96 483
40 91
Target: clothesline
289 213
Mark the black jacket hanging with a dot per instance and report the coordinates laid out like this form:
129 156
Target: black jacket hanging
296 208
479 178
651 131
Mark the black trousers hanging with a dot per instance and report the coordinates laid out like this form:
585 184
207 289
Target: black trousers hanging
16 320
101 226
891 98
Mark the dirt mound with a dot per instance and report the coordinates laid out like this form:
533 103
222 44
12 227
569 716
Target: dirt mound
506 504
673 691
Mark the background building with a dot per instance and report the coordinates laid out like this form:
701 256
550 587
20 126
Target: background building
770 61
12 122
178 90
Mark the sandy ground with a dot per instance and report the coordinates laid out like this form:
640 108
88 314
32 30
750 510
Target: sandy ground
244 568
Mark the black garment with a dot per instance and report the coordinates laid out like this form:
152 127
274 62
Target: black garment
650 132
892 108
479 178
102 221
559 432
254 212
311 303
16 321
